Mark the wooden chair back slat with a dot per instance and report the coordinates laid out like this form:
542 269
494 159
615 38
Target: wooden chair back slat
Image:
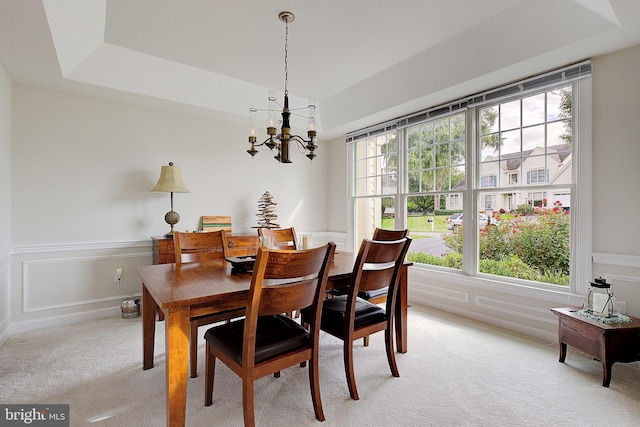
377 266
283 238
287 279
381 252
195 247
382 234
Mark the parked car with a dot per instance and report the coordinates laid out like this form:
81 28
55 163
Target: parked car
456 220
453 219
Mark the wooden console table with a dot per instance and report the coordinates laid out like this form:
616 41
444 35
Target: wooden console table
609 343
238 245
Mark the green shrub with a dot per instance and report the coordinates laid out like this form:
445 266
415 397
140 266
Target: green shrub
512 266
544 244
496 242
454 240
450 260
555 278
525 209
446 212
453 260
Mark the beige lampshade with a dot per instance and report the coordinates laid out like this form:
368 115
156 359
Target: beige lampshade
170 180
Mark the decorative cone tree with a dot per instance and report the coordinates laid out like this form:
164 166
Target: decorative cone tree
266 212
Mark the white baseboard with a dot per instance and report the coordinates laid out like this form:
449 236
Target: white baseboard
66 319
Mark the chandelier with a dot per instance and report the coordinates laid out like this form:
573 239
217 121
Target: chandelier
280 141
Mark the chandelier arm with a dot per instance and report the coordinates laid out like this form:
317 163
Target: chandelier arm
299 139
266 109
296 114
267 141
305 148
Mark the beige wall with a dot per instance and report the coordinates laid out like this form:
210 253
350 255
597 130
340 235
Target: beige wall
82 169
5 206
616 152
337 186
616 173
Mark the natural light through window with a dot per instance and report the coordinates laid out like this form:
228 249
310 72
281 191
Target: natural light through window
508 164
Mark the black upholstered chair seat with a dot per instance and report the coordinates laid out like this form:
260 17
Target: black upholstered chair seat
374 293
333 314
363 294
275 335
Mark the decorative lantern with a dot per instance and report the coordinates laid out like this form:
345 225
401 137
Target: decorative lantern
600 299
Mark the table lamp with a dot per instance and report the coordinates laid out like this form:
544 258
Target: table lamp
170 181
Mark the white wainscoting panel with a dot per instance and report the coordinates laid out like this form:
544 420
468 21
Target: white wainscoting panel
74 281
67 283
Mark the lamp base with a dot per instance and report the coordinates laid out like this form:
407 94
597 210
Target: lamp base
169 235
171 218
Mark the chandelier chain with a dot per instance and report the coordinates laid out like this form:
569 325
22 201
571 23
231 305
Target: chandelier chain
286 56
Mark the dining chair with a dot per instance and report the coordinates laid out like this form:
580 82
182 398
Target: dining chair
350 317
283 238
379 296
266 341
196 247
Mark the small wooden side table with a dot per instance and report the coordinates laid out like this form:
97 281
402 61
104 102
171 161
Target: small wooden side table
609 343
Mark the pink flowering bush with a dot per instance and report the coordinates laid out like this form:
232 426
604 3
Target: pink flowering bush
536 242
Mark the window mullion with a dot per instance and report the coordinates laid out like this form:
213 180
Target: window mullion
401 201
469 204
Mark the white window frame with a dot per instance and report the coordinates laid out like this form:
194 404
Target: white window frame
581 200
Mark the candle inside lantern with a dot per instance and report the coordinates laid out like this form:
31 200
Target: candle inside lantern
600 303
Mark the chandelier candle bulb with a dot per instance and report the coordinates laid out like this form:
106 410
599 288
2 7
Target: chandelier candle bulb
271 120
253 131
312 115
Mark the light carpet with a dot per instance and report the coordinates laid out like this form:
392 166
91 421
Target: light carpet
457 373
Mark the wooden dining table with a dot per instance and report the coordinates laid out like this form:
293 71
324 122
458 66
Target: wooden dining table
211 287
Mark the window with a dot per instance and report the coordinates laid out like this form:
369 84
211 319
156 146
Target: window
454 201
538 198
538 176
488 181
532 133
436 155
468 156
376 175
489 201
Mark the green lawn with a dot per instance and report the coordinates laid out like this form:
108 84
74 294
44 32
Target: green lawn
420 223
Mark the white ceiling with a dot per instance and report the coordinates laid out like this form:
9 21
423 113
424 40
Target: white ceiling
363 61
